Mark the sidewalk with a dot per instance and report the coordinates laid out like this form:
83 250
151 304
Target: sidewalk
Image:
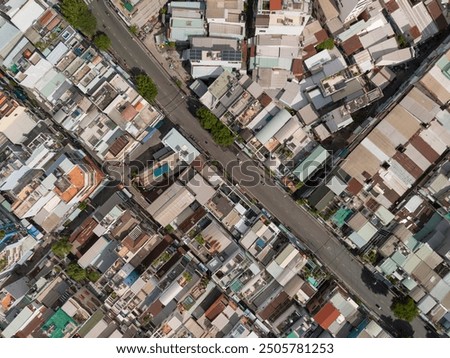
170 64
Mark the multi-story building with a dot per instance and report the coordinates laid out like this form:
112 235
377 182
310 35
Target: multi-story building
226 18
351 9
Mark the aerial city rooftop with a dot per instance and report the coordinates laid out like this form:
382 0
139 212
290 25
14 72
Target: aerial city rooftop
225 168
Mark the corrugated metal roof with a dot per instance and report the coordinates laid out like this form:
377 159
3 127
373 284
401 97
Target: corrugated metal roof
271 128
93 252
388 266
383 48
409 283
179 144
353 30
357 240
398 258
440 290
426 304
376 36
411 263
327 315
27 14
311 163
17 323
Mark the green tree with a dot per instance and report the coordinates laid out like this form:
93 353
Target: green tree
61 248
200 240
404 308
92 275
220 133
187 276
207 120
169 228
2 234
134 29
401 41
328 44
79 16
82 205
3 264
146 87
102 41
75 272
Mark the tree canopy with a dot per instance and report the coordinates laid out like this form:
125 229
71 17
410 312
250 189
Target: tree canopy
79 16
405 308
134 29
220 133
328 44
75 272
3 263
61 248
102 41
92 275
146 87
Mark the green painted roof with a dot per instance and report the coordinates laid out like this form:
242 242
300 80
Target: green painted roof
308 166
388 266
409 283
128 6
428 227
398 258
59 324
341 216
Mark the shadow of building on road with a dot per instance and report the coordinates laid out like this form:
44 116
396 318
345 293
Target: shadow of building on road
372 283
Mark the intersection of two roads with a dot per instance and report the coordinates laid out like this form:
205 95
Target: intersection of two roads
328 249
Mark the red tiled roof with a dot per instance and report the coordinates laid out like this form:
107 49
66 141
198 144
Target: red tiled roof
354 186
310 51
129 112
46 17
327 315
118 145
297 68
321 36
408 164
244 52
133 245
265 99
155 308
272 307
436 13
391 5
365 16
414 32
84 231
351 45
434 9
53 23
275 5
424 149
216 308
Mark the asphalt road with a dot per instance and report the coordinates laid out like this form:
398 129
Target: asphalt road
327 248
